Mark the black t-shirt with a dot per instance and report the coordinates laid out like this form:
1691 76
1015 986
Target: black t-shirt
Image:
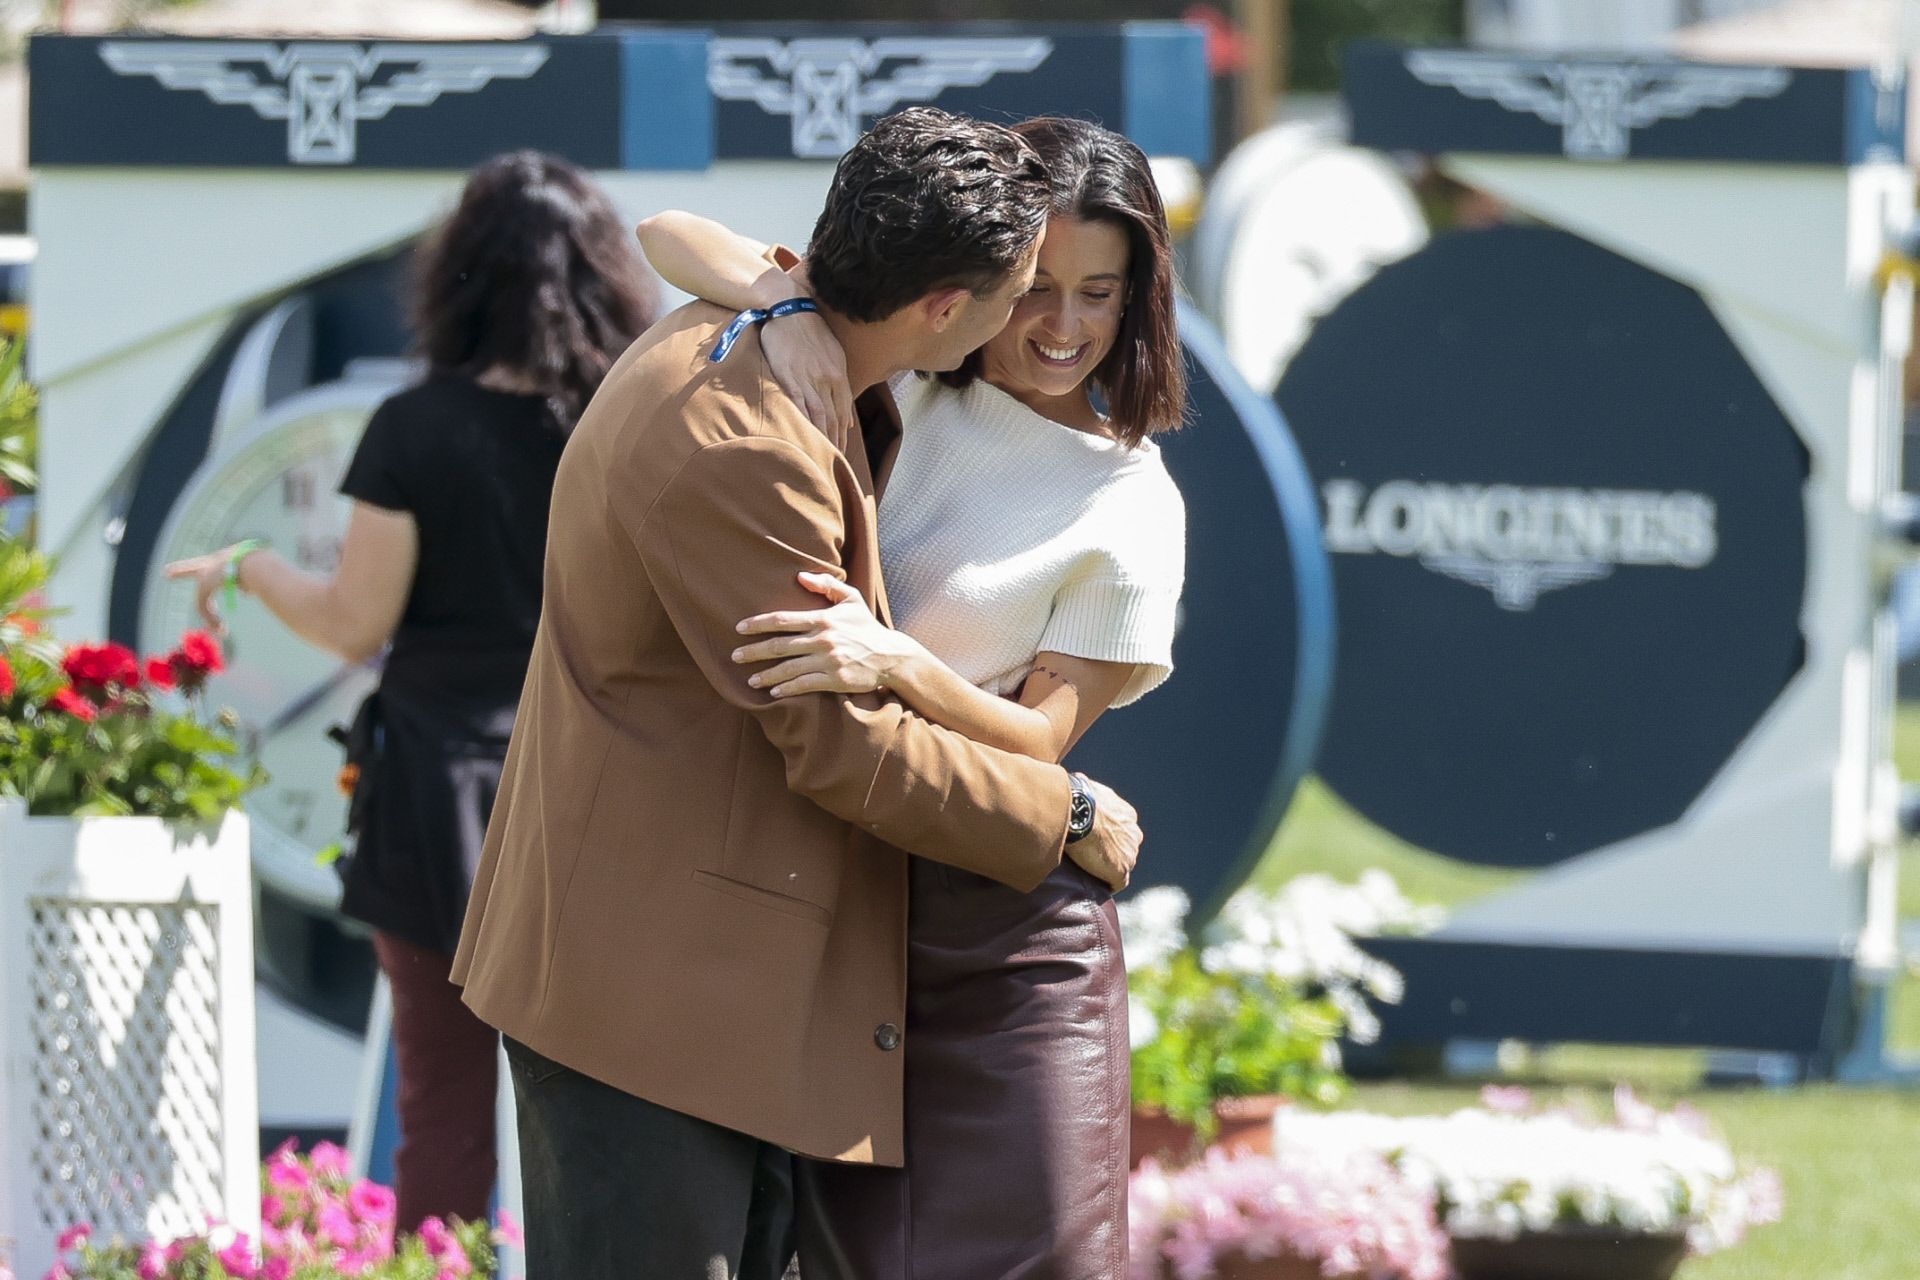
474 467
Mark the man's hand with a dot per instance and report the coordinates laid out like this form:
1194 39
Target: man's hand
1109 851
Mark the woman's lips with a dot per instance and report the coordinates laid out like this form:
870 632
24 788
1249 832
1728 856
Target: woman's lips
1058 357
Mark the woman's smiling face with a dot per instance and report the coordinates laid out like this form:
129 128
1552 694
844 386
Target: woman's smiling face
1065 325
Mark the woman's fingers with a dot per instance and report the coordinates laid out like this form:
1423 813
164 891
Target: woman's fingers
791 669
190 566
816 682
203 598
780 647
843 404
819 412
782 620
825 584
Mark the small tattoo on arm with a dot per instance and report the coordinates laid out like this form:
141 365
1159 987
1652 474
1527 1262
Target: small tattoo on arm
1053 675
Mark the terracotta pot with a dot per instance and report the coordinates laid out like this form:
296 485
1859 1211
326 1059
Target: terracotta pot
1246 1124
1286 1267
1157 1134
1572 1253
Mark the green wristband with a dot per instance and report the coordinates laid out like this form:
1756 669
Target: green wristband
241 550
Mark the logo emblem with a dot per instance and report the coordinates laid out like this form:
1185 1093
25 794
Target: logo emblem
322 90
1519 543
1597 105
831 86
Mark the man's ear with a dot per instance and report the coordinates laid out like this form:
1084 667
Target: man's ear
942 307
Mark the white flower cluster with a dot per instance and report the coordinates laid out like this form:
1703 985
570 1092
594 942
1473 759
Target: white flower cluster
1501 1174
1301 933
1153 926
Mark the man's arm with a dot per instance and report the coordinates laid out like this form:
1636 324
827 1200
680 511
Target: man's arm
726 539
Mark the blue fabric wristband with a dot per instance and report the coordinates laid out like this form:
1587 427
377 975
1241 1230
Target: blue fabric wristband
757 315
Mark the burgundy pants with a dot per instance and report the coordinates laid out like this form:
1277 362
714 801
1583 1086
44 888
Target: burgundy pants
448 1074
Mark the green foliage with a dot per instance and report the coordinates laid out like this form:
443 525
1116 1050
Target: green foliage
138 760
138 745
1226 1035
198 1259
1322 29
19 421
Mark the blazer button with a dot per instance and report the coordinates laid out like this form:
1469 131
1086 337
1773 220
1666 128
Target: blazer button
887 1036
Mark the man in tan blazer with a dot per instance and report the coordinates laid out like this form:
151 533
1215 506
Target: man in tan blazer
690 919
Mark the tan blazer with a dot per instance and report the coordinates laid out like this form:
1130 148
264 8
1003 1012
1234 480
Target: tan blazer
689 891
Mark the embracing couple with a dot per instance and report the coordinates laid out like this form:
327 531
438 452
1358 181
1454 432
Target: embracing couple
800 936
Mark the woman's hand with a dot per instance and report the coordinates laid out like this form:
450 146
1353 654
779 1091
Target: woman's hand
842 648
810 366
209 574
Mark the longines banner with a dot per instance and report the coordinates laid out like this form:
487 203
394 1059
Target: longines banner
646 98
1598 109
1568 540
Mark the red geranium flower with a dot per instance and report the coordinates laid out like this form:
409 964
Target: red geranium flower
94 667
197 658
73 704
6 679
160 674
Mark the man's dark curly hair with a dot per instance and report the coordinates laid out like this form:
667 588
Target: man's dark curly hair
925 201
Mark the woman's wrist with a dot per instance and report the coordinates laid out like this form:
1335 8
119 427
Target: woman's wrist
775 285
906 672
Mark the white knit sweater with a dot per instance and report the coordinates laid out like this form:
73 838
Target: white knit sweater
1004 534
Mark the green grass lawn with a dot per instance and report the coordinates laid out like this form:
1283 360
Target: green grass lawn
1849 1157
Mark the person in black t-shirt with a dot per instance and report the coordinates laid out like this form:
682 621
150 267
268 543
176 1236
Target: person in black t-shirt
523 299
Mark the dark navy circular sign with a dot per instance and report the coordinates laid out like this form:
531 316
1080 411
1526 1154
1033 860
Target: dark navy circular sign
1568 540
1211 759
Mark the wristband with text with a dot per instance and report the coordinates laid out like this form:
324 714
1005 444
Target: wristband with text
757 315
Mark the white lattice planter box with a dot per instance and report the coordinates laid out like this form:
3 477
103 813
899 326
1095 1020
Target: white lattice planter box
126 1021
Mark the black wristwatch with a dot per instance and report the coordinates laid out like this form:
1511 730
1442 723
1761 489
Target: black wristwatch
1080 815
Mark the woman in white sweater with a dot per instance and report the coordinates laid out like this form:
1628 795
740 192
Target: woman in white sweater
1033 547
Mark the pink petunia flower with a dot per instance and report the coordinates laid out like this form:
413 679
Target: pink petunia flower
336 1225
371 1201
506 1231
74 1236
237 1258
288 1175
329 1160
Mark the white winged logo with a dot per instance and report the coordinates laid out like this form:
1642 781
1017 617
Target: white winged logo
830 86
322 90
1597 105
1517 585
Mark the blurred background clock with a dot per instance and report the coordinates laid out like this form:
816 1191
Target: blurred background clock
255 448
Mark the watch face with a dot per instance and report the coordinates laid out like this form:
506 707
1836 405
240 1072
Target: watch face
277 483
1080 819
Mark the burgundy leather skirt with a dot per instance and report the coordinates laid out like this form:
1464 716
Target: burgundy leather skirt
1017 1097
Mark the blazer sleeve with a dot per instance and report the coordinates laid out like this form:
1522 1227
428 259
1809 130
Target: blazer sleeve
726 539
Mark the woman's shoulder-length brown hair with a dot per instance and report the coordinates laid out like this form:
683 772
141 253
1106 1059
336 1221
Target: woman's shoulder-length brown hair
1100 176
536 273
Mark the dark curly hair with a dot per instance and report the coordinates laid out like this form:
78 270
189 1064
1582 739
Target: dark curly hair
925 201
1100 176
536 274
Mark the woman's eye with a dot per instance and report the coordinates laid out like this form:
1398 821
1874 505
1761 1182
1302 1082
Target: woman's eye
1098 297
